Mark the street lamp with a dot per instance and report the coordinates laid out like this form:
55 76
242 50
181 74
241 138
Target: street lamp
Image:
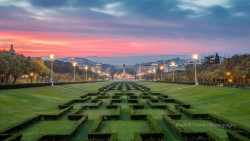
74 65
195 58
149 72
154 71
52 58
86 69
31 75
93 71
173 65
161 68
140 73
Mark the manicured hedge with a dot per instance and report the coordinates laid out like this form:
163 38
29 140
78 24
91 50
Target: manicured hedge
156 106
102 137
29 85
187 83
16 137
169 100
132 101
154 124
193 115
55 116
96 125
153 136
235 136
22 125
242 130
175 116
4 136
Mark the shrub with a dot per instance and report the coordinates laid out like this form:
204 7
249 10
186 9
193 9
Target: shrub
153 123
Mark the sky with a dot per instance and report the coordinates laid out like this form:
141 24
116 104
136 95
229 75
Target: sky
125 27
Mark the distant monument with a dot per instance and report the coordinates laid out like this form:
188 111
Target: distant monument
12 51
123 72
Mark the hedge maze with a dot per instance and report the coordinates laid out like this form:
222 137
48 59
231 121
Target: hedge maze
125 111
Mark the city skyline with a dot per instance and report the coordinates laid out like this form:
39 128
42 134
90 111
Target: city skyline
125 28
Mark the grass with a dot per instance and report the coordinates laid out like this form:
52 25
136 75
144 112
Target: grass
19 104
46 127
202 126
156 113
125 129
94 114
230 103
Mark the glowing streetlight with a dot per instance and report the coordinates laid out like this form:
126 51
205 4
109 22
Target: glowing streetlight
154 71
228 73
230 80
195 58
173 65
93 75
161 68
149 72
52 58
74 65
140 72
86 69
31 75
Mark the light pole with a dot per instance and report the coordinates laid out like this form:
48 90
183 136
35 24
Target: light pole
52 58
154 74
86 69
93 71
195 58
140 72
149 72
173 65
99 73
161 68
74 65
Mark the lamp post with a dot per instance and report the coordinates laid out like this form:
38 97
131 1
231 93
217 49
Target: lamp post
31 75
140 72
161 68
195 58
86 69
74 65
228 73
52 58
99 73
173 65
154 71
149 72
93 71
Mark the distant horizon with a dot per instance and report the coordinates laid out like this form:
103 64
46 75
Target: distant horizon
132 60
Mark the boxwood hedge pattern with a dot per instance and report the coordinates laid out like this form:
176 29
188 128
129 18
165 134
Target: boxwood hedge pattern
132 94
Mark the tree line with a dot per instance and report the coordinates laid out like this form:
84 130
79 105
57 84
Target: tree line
235 69
36 70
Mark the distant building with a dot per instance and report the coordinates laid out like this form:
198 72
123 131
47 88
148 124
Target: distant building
12 51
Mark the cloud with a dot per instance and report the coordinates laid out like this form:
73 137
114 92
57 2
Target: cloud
114 9
135 21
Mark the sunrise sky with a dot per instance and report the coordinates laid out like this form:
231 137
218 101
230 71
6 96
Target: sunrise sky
125 27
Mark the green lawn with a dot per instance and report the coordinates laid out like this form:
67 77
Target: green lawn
46 127
125 128
19 104
230 103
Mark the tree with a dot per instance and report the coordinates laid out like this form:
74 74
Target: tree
4 66
217 59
